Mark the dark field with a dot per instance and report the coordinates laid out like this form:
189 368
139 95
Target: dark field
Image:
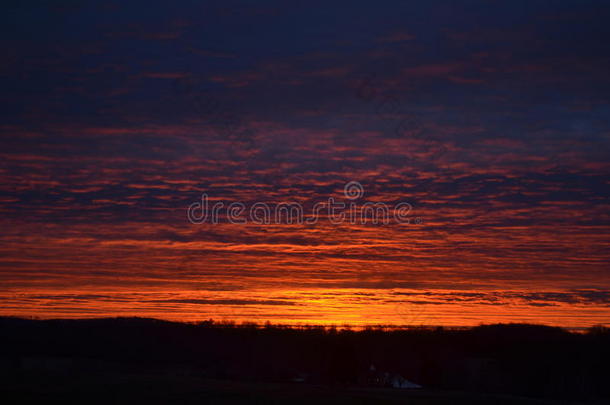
151 361
159 388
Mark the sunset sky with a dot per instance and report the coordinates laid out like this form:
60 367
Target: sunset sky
490 118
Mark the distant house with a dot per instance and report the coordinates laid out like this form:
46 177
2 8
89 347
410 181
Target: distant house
384 379
300 377
398 381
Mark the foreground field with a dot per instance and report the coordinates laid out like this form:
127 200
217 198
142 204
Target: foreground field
129 360
162 389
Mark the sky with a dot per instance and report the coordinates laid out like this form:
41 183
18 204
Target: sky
488 120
